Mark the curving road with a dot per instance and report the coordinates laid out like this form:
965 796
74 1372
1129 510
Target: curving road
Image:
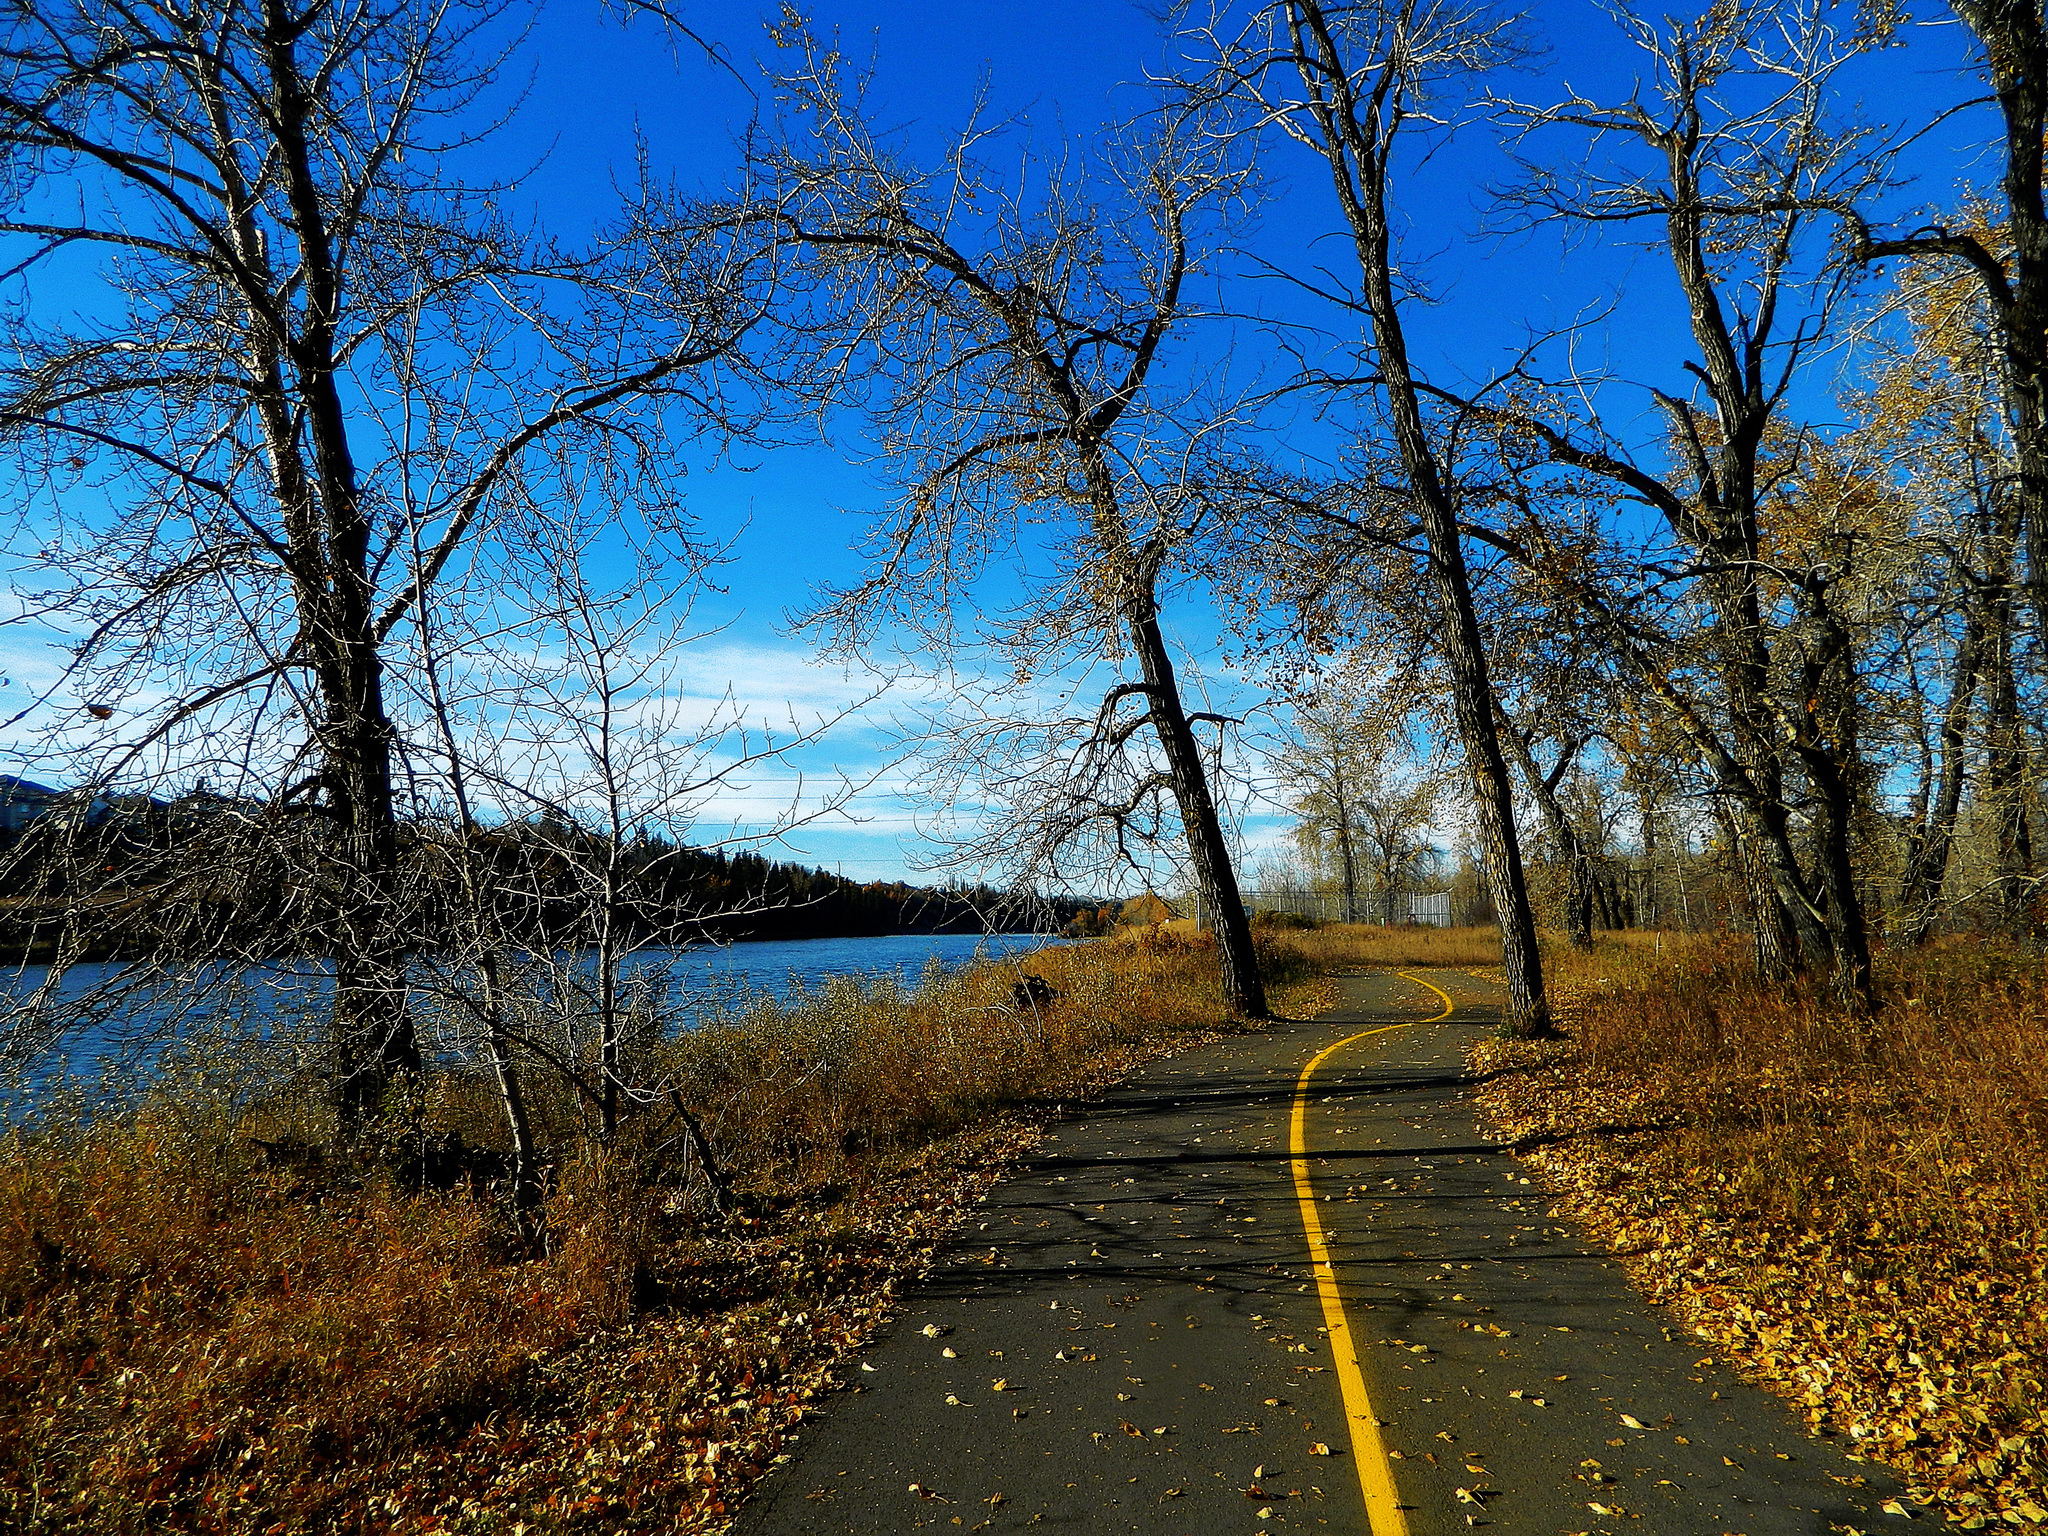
1228 1297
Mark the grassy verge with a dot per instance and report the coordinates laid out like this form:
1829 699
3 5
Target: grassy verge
1853 1213
193 1339
1333 947
1341 946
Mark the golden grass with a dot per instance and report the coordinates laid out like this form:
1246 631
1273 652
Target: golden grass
192 1342
1367 946
1852 1209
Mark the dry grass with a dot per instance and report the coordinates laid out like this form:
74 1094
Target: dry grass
803 1092
191 1342
1854 1211
1366 946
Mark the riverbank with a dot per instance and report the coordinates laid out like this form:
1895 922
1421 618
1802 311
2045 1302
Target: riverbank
690 984
200 1338
1850 1213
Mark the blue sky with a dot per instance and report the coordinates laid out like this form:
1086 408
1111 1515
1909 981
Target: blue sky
1062 66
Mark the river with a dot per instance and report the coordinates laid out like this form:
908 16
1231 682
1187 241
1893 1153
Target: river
123 1035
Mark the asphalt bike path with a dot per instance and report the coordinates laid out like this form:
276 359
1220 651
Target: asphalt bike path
1282 1284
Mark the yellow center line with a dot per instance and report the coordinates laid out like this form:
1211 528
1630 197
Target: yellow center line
1375 1479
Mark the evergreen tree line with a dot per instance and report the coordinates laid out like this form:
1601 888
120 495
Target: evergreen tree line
191 878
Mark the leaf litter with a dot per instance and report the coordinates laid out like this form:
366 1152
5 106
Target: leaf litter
1913 1322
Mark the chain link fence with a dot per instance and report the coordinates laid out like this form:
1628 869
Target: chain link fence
1431 908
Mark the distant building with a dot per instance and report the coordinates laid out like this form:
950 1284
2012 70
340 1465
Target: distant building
22 801
203 807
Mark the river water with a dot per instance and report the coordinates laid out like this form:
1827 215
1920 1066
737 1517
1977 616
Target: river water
776 967
119 1025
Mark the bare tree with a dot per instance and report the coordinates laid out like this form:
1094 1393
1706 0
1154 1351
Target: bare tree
1394 818
1723 154
314 367
1013 349
1544 786
567 778
1363 794
1353 84
1322 772
1930 405
2006 257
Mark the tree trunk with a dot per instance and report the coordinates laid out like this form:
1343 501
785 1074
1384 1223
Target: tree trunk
1790 935
330 548
526 1190
1346 854
1579 893
1355 143
2015 45
1649 906
2006 779
1608 906
1849 979
610 1056
373 1027
479 924
1244 990
1934 838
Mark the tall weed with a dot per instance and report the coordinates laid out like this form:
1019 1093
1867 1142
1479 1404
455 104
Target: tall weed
1943 1094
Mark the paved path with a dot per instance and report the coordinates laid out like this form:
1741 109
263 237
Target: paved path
1134 1336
